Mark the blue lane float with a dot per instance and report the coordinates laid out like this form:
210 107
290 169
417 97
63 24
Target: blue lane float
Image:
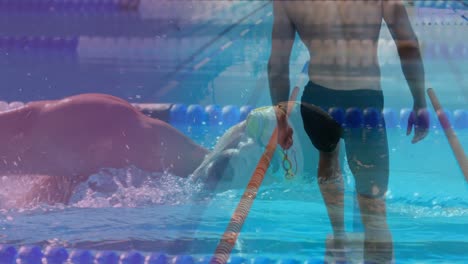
30 254
178 114
460 119
391 117
184 259
226 116
245 111
56 254
445 119
404 115
237 260
107 257
338 114
231 115
353 118
132 257
61 255
7 254
196 115
434 120
372 117
214 115
81 257
157 258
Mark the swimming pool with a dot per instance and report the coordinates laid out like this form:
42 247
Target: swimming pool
427 210
428 198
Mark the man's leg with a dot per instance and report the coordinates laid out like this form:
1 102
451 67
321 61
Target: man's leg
325 134
367 153
378 246
331 186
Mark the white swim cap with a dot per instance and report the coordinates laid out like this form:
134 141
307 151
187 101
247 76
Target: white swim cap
260 124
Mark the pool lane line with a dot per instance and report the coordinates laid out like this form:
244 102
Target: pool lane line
223 47
167 88
245 31
452 138
172 84
201 63
226 45
175 82
229 238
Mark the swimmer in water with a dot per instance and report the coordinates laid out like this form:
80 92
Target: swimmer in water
68 140
65 141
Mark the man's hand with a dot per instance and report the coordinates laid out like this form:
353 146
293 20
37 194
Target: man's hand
285 131
285 139
419 118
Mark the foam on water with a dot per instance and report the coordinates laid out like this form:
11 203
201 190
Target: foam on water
13 188
128 187
132 187
5 107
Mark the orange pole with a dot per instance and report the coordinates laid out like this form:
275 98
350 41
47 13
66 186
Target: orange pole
450 134
229 238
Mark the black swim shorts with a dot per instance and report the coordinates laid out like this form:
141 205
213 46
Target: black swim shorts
323 131
366 149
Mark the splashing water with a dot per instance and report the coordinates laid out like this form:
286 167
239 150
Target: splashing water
132 187
13 188
128 187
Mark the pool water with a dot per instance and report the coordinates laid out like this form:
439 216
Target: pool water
150 212
427 212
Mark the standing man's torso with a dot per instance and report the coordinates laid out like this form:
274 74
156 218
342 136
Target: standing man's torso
341 36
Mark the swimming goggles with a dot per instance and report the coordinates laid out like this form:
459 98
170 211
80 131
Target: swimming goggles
288 165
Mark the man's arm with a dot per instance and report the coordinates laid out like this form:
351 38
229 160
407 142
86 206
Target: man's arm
282 39
396 17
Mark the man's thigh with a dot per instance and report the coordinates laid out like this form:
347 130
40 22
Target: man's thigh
368 159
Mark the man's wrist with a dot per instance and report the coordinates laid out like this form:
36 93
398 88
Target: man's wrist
419 104
283 107
281 113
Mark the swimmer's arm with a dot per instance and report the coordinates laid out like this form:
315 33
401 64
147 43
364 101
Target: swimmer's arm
282 40
396 17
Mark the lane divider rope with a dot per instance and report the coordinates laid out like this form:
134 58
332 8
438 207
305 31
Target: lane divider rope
229 238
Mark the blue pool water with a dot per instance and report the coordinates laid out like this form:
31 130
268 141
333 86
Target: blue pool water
427 212
427 198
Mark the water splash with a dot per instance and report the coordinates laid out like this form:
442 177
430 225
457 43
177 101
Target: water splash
428 207
13 189
5 107
128 187
132 187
